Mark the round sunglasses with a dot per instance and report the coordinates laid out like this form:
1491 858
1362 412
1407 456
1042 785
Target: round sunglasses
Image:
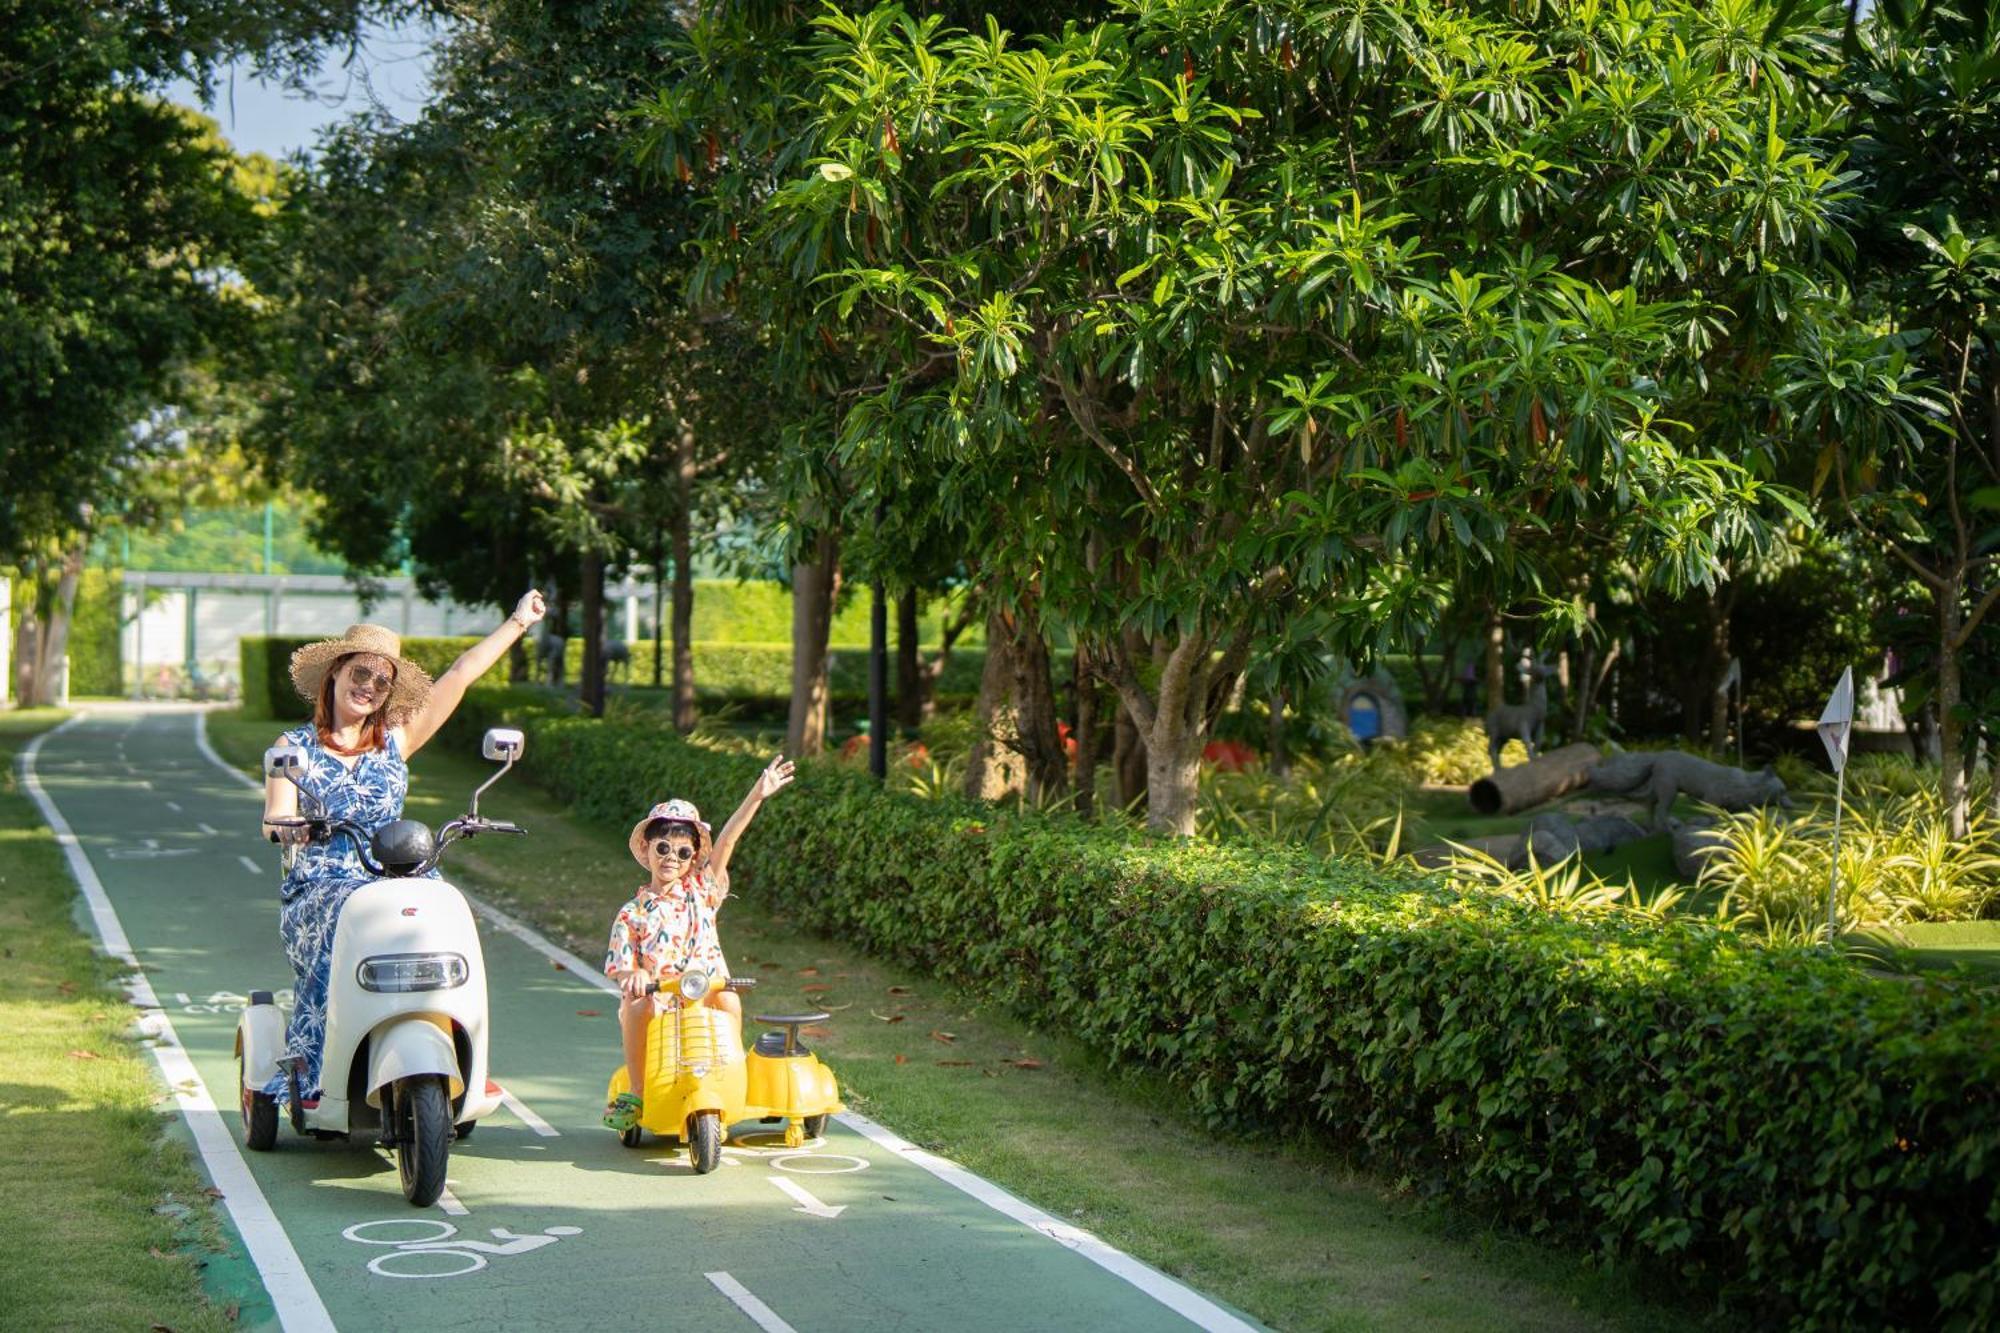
678 850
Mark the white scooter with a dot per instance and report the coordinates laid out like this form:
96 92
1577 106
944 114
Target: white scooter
405 1054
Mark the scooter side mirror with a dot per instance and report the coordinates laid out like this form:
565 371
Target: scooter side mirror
286 761
503 743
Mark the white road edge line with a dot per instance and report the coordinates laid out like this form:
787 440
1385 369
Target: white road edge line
1182 1300
448 1202
293 1295
760 1314
250 865
527 1117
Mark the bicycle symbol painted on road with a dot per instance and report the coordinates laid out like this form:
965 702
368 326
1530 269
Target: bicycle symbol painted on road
419 1256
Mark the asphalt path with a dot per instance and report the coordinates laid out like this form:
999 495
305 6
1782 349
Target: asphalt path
548 1221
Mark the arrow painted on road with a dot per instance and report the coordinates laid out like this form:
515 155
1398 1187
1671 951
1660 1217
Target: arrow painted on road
807 1203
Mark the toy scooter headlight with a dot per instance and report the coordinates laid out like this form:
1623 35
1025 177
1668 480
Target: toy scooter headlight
694 984
399 973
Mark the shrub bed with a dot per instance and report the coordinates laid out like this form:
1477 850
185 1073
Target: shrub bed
1815 1146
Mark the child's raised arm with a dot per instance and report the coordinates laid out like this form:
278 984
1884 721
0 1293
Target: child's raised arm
776 776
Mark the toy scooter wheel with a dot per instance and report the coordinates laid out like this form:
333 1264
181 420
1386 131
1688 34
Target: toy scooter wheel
423 1137
633 1137
465 1130
815 1126
260 1115
705 1141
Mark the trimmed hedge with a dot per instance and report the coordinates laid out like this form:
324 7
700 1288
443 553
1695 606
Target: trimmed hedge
758 673
1815 1146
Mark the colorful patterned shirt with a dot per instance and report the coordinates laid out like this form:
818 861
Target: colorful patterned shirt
671 930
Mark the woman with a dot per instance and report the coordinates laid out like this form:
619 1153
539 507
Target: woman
372 710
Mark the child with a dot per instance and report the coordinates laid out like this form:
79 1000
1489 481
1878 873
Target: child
669 926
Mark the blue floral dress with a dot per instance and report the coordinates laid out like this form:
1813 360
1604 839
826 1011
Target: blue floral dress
322 876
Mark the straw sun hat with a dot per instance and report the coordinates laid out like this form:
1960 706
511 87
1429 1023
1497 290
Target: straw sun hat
311 663
683 811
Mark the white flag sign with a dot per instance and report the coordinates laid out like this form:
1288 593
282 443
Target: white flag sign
1836 722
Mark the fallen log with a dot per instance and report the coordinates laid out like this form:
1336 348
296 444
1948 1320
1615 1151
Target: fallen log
1524 786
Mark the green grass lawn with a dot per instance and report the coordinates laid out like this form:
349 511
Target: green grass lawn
1280 1227
104 1223
1939 946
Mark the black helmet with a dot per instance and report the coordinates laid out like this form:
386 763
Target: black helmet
403 847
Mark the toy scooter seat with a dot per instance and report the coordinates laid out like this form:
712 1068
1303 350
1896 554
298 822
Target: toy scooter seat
773 1044
786 1043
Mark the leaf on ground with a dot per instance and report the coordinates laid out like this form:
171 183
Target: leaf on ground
956 1064
1025 1064
213 1193
901 990
902 1059
557 965
946 1037
887 1018
67 987
808 971
590 1013
770 967
157 1253
816 988
815 1030
84 1055
989 1073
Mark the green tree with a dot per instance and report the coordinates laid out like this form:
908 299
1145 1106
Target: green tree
1261 325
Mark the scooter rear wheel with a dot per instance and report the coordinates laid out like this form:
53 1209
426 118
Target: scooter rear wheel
705 1141
423 1136
633 1137
815 1126
260 1114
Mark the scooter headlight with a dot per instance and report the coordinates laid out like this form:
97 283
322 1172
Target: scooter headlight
398 973
694 984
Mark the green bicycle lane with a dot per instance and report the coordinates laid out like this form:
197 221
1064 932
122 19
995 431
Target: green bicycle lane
548 1219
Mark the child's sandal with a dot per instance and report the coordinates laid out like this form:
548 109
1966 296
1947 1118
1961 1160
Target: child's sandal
623 1112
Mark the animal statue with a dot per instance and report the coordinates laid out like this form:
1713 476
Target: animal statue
549 648
1665 774
1522 721
617 655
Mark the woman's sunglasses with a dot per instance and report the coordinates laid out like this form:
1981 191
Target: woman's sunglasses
370 680
680 851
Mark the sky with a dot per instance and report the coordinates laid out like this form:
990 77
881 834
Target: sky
391 70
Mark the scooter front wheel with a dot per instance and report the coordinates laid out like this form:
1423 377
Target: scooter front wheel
424 1131
260 1114
705 1141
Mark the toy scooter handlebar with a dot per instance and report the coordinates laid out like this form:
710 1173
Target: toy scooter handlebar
741 985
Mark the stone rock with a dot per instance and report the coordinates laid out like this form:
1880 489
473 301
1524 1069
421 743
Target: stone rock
1664 774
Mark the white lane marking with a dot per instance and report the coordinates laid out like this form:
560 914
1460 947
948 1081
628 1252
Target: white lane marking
201 743
803 1197
293 1296
250 865
174 806
1191 1305
760 1314
448 1202
527 1117
1183 1300
206 829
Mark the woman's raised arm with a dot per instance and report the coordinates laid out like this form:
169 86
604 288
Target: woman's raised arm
473 663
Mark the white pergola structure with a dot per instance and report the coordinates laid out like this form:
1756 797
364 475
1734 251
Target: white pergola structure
192 622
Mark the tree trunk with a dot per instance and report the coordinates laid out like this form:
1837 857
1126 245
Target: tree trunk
1950 728
1083 771
909 664
1496 662
44 637
682 521
1719 611
559 668
1128 759
1173 775
1281 758
591 687
1040 740
994 769
815 586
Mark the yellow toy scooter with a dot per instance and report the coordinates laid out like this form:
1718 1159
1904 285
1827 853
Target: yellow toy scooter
700 1081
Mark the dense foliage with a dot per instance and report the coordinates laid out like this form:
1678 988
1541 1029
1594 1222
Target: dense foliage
1819 1146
